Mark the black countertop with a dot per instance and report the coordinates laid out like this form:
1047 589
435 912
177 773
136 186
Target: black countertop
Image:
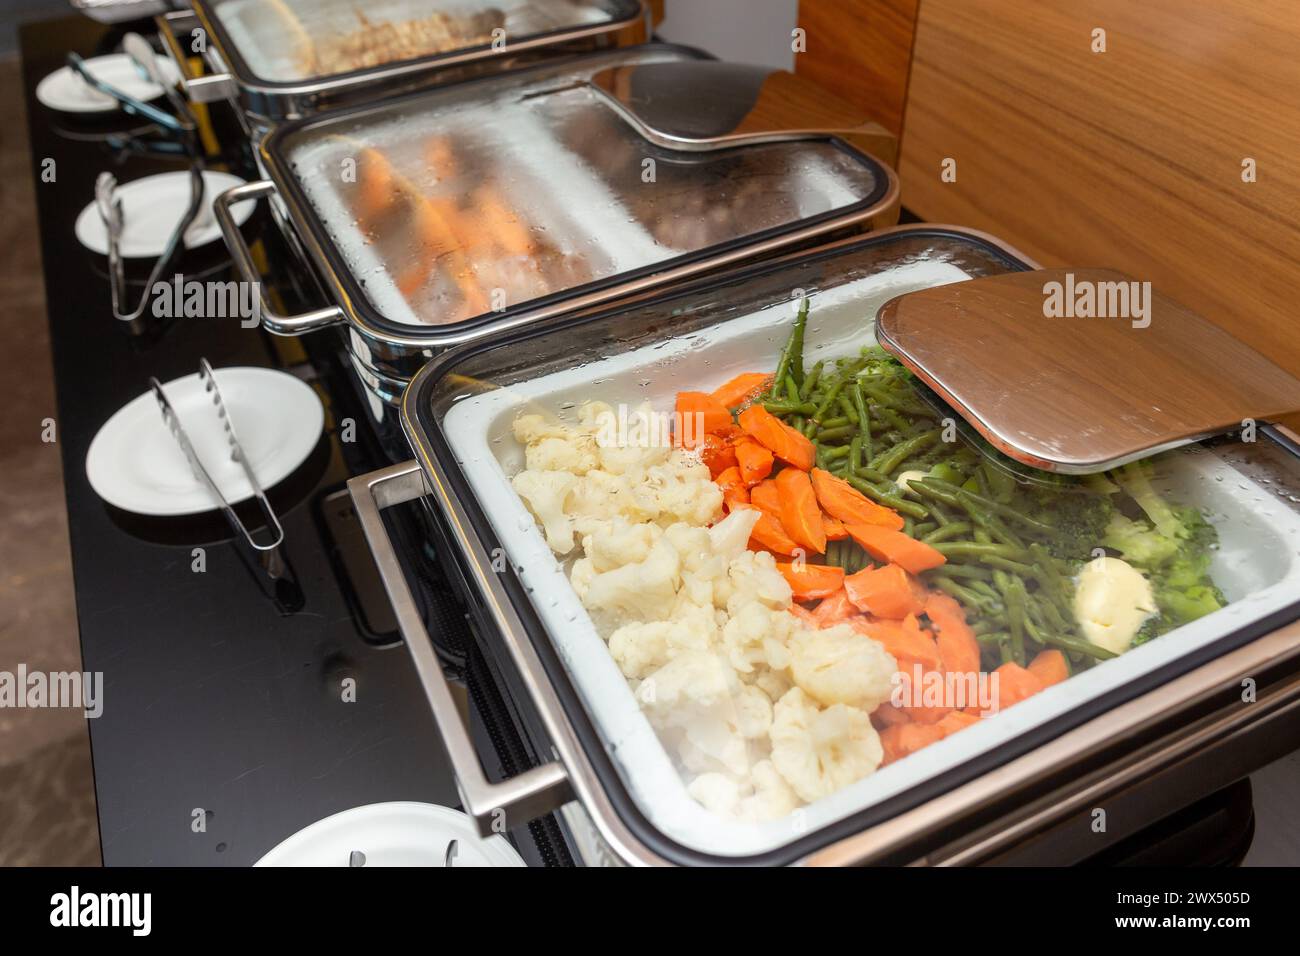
215 703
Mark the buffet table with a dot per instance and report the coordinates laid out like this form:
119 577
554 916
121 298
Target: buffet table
217 706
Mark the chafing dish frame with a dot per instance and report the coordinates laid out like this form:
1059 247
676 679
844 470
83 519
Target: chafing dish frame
978 811
273 101
388 355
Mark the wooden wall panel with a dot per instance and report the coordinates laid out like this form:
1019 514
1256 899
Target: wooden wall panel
860 49
1130 158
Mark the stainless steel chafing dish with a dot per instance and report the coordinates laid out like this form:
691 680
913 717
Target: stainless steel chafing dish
1021 787
279 59
454 215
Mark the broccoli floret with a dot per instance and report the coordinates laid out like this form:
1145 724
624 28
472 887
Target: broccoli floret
1138 542
1078 518
1187 604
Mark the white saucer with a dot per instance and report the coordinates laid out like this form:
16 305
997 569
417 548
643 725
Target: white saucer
65 91
392 834
136 464
152 206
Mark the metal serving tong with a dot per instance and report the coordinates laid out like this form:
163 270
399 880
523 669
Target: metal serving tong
236 454
184 125
110 211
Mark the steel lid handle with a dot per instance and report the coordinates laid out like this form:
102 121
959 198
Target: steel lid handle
272 320
199 87
516 800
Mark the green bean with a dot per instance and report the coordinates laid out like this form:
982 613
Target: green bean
838 421
1003 564
1079 645
828 399
790 408
855 454
962 549
944 532
833 434
996 507
791 388
864 419
887 461
962 571
1013 595
884 498
793 345
997 637
846 406
964 595
871 474
810 382
909 525
837 452
924 528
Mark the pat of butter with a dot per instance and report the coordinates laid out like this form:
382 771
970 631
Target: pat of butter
905 478
1111 601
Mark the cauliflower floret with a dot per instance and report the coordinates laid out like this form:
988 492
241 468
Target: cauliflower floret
773 683
580 577
730 536
601 495
838 665
620 542
575 454
630 445
641 591
641 648
717 792
680 490
751 577
821 751
698 693
755 636
544 492
534 428
771 798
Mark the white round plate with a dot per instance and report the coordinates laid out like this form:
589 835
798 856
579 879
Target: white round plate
136 464
392 834
152 206
65 91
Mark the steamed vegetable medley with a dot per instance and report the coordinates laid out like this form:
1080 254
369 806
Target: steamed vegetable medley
811 575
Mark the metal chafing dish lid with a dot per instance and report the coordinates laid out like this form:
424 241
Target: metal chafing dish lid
1104 369
295 41
460 203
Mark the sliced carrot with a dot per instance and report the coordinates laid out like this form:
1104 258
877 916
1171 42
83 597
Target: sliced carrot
841 500
924 714
1050 667
812 581
778 437
904 640
741 388
768 535
958 647
902 740
956 720
734 492
885 592
887 715
765 496
377 188
833 609
718 454
698 414
805 616
800 516
834 528
895 547
1015 683
755 461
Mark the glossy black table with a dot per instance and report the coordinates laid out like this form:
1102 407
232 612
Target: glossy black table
218 707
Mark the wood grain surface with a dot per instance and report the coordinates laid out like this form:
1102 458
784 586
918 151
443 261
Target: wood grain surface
1111 371
1130 158
860 50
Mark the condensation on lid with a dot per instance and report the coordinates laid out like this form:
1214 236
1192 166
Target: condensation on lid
464 202
287 41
